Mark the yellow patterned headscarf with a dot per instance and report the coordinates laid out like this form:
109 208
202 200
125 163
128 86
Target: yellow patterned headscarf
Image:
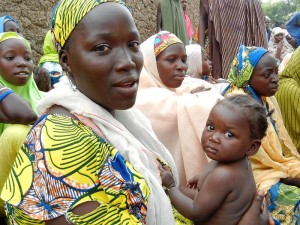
69 13
163 40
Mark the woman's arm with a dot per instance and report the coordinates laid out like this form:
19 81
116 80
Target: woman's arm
14 109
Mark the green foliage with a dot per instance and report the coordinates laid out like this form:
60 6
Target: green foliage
281 10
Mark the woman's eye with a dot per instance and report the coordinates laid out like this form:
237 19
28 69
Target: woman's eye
171 59
28 58
103 49
228 134
134 44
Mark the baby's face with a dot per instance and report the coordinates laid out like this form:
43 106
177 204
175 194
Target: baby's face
226 137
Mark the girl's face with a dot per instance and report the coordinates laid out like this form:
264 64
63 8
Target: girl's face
15 61
278 37
264 79
104 57
172 66
226 137
11 26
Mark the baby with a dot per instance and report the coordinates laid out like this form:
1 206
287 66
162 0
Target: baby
226 187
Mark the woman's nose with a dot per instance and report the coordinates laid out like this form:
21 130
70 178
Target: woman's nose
21 62
125 61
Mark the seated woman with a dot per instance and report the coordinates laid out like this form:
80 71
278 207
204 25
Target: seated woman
176 104
278 45
288 97
276 166
90 158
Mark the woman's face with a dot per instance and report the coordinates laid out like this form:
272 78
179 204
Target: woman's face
172 66
15 61
278 37
104 57
264 79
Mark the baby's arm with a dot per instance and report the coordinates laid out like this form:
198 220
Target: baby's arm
209 198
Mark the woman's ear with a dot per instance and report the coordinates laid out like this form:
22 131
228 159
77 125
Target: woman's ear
254 147
64 60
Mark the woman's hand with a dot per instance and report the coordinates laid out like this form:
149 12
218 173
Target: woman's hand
258 212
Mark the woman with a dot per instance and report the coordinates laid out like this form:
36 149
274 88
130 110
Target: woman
293 27
278 45
165 97
276 166
288 97
90 159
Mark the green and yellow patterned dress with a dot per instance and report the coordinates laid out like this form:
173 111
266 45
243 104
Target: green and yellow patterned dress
63 164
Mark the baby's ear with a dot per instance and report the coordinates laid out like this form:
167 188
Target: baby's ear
64 60
254 147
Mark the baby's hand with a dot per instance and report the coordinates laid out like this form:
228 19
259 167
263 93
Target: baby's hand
166 177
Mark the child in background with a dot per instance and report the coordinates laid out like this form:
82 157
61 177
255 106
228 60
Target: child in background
50 60
234 130
9 24
16 69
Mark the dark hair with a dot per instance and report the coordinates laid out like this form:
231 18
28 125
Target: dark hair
251 110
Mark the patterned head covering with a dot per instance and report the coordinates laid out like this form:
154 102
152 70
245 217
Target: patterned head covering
3 20
69 13
163 40
244 64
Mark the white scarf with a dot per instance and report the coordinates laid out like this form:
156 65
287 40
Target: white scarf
128 131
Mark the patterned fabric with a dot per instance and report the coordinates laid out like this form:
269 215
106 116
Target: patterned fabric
163 40
242 66
3 20
29 91
272 47
293 28
49 180
288 97
74 11
284 205
173 19
234 23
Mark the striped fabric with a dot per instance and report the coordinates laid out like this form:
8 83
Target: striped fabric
235 23
288 97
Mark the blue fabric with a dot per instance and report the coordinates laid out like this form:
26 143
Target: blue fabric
4 94
3 20
293 28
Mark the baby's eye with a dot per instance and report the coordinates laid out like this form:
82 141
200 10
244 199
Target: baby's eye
102 49
10 58
229 134
28 58
267 75
210 127
184 60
